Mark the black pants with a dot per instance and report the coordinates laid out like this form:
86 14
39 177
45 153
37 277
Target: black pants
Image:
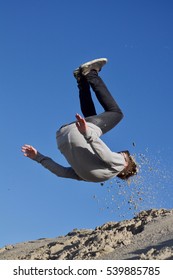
112 113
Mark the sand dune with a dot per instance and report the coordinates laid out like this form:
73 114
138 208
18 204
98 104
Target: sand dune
149 235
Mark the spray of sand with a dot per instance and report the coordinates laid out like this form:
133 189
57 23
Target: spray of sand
150 188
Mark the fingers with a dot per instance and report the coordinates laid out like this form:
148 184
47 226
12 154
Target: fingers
81 124
27 149
28 146
80 119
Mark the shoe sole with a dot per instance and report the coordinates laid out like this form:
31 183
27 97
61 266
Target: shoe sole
95 64
103 61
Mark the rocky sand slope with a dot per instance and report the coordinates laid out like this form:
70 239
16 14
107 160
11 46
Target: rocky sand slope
149 235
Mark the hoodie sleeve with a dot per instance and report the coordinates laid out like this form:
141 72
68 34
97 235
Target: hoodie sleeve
112 159
57 169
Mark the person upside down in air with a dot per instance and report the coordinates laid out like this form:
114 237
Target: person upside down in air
89 157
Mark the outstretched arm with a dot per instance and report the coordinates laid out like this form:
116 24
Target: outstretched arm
59 170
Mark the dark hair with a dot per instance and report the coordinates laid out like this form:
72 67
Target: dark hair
130 170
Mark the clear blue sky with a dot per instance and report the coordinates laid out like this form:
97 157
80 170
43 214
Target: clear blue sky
41 42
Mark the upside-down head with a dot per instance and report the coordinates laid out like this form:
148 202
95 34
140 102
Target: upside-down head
131 169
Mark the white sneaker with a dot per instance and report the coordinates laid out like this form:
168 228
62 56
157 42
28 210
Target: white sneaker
95 64
85 68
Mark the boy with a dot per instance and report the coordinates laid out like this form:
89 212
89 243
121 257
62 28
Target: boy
89 158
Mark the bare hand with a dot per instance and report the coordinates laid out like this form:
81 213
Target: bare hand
29 151
81 124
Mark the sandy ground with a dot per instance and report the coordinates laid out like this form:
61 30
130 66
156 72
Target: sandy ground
149 235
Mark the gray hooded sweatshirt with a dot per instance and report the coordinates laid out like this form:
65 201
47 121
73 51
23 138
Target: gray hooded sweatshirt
89 157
